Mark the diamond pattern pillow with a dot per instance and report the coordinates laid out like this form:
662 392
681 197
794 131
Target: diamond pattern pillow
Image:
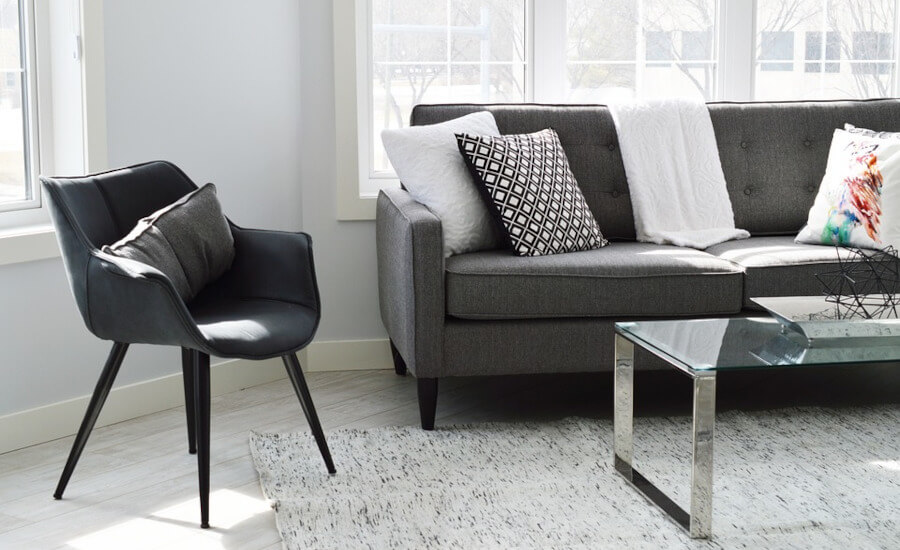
528 185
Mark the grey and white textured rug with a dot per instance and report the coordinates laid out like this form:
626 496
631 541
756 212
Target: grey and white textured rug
797 478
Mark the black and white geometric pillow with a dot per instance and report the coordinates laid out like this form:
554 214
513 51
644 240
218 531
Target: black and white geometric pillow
527 183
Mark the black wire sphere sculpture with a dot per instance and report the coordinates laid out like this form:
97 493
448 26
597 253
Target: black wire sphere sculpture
864 284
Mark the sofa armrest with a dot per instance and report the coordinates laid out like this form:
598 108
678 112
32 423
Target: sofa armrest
409 243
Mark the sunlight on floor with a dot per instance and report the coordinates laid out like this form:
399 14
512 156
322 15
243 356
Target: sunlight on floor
177 526
887 464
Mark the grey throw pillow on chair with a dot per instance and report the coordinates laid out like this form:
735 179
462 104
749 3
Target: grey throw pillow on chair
189 241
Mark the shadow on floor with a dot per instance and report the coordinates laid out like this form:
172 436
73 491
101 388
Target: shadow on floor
663 393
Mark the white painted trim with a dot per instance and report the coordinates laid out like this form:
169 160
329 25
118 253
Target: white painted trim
339 355
41 424
62 419
546 51
736 49
350 206
93 78
28 245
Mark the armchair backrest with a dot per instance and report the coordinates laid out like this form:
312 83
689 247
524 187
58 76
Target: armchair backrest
98 209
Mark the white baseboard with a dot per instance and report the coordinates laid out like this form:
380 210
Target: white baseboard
49 422
337 355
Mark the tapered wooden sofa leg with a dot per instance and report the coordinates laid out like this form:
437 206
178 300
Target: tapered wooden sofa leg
101 391
399 363
187 373
427 388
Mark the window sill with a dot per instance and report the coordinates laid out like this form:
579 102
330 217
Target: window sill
28 244
356 208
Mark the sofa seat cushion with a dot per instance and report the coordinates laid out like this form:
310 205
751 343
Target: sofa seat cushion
622 279
777 266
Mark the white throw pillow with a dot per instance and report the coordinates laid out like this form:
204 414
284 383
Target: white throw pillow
871 133
429 165
859 199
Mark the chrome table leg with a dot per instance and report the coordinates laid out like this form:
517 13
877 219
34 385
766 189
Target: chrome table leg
704 427
699 521
623 423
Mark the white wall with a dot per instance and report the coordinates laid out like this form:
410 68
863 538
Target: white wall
345 251
213 87
216 88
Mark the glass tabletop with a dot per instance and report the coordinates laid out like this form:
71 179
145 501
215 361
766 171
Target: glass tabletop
737 343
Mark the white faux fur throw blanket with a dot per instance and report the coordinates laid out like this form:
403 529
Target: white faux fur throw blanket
675 177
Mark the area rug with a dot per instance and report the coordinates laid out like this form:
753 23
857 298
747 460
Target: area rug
797 478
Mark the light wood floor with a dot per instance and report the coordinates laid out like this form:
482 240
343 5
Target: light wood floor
135 486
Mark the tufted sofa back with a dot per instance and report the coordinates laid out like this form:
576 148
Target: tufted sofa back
773 154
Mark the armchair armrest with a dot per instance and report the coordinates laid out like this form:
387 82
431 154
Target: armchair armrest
132 302
411 279
273 265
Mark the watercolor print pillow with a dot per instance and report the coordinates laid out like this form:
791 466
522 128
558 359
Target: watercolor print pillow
859 199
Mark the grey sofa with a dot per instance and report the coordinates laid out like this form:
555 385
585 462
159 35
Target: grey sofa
491 312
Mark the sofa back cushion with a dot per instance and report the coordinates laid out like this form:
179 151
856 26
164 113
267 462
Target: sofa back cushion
773 154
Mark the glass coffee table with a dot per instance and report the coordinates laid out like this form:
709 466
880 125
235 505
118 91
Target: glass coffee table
700 348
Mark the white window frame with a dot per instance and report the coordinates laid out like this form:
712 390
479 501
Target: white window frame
22 211
26 234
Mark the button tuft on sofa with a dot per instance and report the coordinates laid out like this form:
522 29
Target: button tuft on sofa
807 143
748 191
744 145
612 147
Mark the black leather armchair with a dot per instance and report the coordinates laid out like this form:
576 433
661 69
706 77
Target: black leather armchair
266 305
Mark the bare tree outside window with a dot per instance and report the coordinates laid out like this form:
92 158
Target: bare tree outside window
440 51
847 49
625 48
432 51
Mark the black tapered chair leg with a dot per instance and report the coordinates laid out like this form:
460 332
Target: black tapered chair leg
427 390
201 410
399 363
101 391
187 373
295 373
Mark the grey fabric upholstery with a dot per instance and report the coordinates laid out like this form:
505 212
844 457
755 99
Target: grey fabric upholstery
773 154
532 346
189 241
777 266
622 279
411 277
131 302
488 314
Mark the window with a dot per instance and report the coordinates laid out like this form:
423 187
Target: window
776 45
858 58
660 46
45 73
697 45
871 45
18 150
815 54
440 51
590 51
621 49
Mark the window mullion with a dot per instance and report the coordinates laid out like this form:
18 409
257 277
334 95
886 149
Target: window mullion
548 46
736 49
